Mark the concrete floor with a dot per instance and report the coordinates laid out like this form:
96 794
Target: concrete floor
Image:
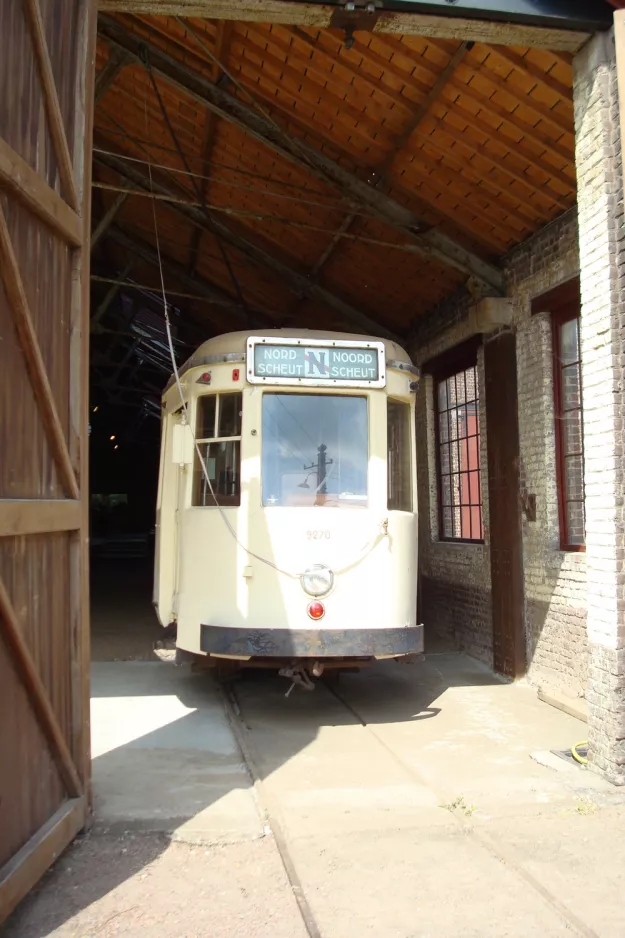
432 820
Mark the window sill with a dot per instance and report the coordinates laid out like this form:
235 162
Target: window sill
461 542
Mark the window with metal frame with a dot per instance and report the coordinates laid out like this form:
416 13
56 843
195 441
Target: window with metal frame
458 465
399 456
218 435
567 368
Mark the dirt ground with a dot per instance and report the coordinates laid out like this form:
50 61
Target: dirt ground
142 884
433 820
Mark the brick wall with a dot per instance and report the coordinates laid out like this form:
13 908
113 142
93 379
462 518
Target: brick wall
456 579
554 580
602 248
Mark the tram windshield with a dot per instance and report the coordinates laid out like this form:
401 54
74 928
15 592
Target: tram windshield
315 450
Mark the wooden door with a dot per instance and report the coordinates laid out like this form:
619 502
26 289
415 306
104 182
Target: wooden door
46 75
506 547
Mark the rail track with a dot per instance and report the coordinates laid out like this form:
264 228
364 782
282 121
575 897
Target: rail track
271 814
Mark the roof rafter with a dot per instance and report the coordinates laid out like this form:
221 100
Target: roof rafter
381 175
143 251
298 283
222 46
433 243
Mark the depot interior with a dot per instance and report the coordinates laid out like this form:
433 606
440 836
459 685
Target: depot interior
364 181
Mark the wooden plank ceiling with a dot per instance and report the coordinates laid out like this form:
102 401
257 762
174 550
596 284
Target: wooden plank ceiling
307 177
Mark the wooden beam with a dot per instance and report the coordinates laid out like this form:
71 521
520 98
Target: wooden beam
116 62
143 251
381 175
222 47
433 244
38 516
149 288
110 296
10 275
28 186
107 218
27 866
297 282
321 15
12 633
51 102
257 125
455 88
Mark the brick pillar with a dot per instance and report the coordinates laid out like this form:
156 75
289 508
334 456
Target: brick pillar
602 256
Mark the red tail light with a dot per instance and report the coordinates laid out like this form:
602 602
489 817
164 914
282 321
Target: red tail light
316 610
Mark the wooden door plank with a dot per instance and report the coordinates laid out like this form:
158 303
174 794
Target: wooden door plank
51 100
9 273
11 631
24 183
86 29
38 516
19 875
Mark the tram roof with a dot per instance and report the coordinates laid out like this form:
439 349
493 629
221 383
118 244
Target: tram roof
235 343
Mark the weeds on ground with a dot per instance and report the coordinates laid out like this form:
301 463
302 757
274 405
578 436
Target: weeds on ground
460 805
586 806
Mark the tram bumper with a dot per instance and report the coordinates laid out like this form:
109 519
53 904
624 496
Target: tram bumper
227 641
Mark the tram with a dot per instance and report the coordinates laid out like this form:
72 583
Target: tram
286 528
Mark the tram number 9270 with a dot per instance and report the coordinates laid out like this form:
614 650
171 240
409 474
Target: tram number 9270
318 535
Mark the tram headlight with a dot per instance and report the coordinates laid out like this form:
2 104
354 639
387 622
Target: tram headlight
317 580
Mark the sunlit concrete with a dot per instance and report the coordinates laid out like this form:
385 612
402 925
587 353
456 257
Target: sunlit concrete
164 755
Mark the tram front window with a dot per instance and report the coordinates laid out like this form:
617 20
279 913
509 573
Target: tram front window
315 450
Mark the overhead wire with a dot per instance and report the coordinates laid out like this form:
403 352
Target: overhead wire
382 532
330 206
231 167
198 190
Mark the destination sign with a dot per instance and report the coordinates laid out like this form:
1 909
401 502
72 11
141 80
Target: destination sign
318 363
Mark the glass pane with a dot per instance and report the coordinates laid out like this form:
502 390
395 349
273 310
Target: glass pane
223 465
572 432
451 392
460 388
230 415
575 523
442 396
461 420
455 489
473 447
448 530
471 382
205 424
443 428
445 460
399 462
454 424
315 450
569 342
574 472
571 391
474 488
464 455
446 491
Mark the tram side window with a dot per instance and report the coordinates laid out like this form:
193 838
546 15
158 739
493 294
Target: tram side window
218 435
399 461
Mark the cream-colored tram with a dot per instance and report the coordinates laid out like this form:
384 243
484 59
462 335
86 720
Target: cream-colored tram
286 516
